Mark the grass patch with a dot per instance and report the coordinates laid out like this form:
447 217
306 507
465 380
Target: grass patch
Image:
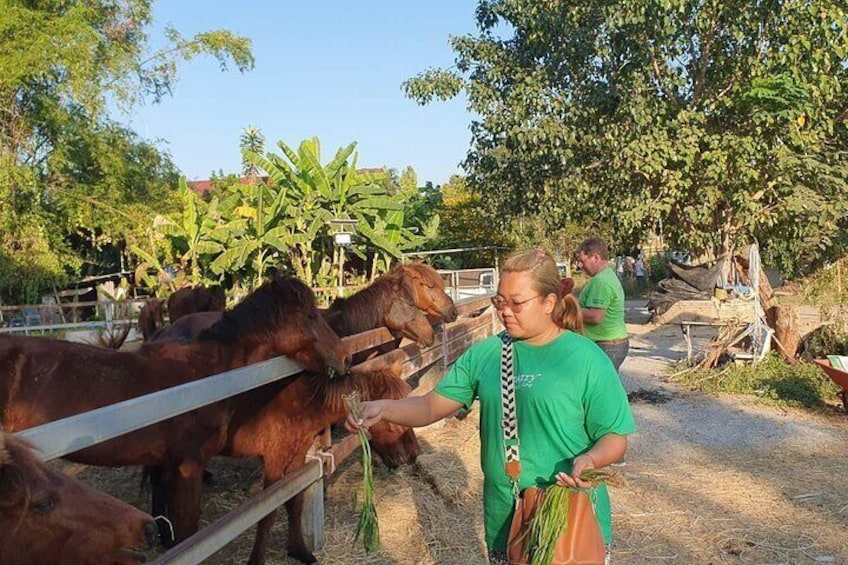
773 380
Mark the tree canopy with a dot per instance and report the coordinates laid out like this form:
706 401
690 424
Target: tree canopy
72 180
722 120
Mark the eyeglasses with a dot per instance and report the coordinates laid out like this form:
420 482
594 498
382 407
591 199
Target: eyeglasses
499 302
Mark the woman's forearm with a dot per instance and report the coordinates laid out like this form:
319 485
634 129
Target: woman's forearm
416 411
609 449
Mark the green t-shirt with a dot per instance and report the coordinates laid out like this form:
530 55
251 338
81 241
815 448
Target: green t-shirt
568 395
604 291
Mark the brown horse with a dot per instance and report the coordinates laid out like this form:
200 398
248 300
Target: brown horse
43 380
151 318
282 431
417 283
198 299
46 517
257 428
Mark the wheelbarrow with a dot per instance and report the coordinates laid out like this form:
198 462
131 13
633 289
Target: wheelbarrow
838 376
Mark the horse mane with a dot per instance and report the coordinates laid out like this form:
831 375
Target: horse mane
426 272
365 309
382 383
17 462
263 312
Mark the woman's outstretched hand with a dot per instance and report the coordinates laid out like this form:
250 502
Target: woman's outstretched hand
372 412
580 464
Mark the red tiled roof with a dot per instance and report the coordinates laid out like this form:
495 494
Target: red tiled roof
204 187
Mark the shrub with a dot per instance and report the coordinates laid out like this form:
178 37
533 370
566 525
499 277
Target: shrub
801 384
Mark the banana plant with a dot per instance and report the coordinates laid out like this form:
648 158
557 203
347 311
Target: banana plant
316 193
197 233
256 233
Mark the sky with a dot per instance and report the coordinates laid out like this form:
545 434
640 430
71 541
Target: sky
328 69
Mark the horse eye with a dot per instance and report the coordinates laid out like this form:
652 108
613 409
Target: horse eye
45 505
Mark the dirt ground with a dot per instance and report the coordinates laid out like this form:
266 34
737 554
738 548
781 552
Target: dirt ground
712 480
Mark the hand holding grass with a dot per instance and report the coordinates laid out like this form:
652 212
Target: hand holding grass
580 464
366 415
368 527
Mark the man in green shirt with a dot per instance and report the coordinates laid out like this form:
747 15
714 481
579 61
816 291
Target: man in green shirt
602 301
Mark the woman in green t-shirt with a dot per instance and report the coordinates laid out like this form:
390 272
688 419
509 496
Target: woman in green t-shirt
572 411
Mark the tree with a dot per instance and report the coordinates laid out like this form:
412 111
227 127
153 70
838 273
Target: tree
726 120
253 141
63 163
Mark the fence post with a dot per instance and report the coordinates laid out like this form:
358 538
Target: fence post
312 519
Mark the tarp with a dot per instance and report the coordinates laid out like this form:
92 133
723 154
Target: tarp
685 282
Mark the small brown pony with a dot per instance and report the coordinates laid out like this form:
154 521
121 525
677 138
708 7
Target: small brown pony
396 294
46 517
42 380
283 430
151 318
416 283
198 299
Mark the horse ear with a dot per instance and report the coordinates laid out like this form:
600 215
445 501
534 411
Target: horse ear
407 281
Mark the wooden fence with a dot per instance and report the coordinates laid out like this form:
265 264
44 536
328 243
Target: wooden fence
421 367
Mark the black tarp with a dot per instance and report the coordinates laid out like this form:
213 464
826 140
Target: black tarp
685 282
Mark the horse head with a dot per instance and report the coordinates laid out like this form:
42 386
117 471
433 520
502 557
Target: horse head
47 517
282 315
405 318
151 318
396 445
427 290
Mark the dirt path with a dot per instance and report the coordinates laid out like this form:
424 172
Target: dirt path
711 480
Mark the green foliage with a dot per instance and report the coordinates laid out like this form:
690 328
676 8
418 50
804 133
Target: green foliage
725 120
828 289
774 381
76 183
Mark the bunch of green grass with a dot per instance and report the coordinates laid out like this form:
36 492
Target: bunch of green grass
368 527
548 524
551 518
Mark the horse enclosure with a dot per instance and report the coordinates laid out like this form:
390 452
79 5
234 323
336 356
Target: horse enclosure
422 367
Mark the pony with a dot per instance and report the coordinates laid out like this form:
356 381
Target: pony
388 301
151 318
42 380
47 517
198 299
282 431
416 283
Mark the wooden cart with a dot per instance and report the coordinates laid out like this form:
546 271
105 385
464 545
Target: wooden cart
838 376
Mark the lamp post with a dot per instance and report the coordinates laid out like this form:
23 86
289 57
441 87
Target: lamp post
342 230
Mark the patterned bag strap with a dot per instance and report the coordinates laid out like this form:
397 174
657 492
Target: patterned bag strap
510 419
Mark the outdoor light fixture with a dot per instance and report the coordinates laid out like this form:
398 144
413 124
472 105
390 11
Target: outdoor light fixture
342 230
342 239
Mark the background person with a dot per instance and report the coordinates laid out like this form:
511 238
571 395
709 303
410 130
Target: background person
640 269
602 301
572 410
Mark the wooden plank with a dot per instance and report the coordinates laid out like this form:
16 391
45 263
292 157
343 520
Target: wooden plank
367 340
469 305
459 346
312 518
465 326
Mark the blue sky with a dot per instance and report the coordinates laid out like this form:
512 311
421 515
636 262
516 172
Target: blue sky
330 69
